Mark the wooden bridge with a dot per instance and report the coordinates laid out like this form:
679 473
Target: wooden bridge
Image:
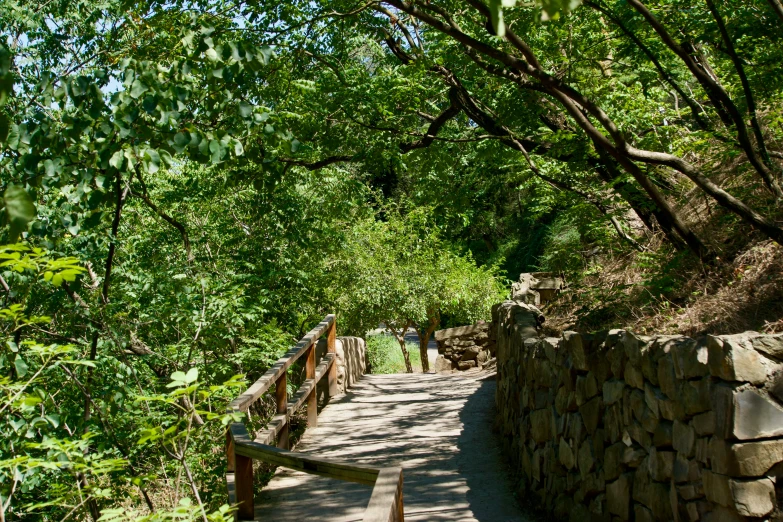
350 462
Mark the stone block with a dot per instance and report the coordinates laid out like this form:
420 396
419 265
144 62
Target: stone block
667 379
753 498
586 458
721 514
565 400
634 456
752 459
542 425
671 410
690 358
566 455
633 376
576 349
695 396
639 434
684 438
613 459
442 364
663 435
770 344
732 358
466 365
756 417
681 469
461 331
661 464
470 353
716 488
618 496
704 424
642 514
613 391
591 413
651 397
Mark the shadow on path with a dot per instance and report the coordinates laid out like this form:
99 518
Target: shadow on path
438 428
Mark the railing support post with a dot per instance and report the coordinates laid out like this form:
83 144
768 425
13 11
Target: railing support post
331 338
312 398
281 396
243 482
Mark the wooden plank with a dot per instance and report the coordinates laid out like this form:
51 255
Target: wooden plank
281 398
243 487
307 388
243 402
308 463
331 338
274 427
386 503
312 395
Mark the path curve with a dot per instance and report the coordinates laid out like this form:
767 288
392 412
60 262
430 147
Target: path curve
437 427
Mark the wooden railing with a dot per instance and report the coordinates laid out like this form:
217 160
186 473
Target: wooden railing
386 501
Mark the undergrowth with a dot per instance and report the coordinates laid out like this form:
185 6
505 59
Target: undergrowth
384 355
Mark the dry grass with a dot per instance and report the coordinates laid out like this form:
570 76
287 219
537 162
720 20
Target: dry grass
666 294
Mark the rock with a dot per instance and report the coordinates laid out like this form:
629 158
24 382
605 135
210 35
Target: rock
613 391
482 357
681 469
442 364
753 498
466 365
618 496
591 414
732 358
661 464
633 376
671 410
684 438
573 345
722 514
566 455
690 358
716 488
752 459
470 353
542 425
704 424
642 514
651 396
633 457
695 396
565 400
613 458
461 331
585 458
771 345
756 417
663 435
667 378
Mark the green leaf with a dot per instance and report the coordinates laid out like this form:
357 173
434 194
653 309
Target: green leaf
138 88
191 376
19 209
117 159
21 366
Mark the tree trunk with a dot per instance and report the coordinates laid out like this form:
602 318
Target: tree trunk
406 355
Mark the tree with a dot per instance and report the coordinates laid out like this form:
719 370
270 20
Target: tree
397 271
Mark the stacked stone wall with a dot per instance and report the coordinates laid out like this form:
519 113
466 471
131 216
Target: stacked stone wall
614 426
464 347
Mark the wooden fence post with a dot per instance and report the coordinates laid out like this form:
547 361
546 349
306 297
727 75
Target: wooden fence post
243 482
331 338
312 398
281 396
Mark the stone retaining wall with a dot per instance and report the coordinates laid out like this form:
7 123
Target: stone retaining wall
464 347
613 426
351 360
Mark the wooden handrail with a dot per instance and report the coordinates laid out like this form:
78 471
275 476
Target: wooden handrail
386 502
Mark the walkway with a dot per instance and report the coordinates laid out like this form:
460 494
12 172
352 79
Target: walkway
438 428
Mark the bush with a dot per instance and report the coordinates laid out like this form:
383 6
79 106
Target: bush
384 355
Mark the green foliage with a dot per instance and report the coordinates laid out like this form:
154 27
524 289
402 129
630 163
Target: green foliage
384 355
